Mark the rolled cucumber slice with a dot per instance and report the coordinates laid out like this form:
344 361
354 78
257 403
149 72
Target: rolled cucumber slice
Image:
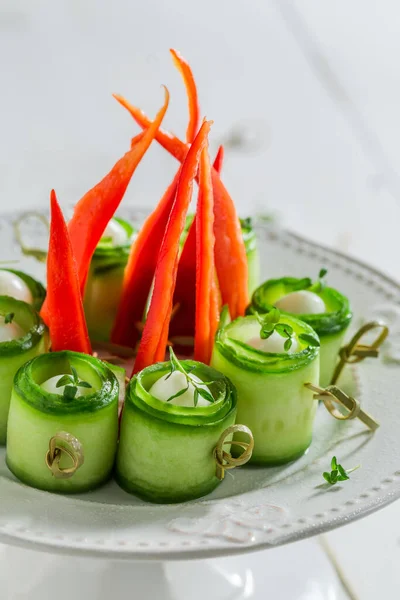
90 418
104 284
15 352
165 451
252 252
36 291
272 399
331 325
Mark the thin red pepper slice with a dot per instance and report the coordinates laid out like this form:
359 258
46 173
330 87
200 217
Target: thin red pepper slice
191 91
65 316
93 212
205 269
140 269
98 205
230 252
167 265
219 159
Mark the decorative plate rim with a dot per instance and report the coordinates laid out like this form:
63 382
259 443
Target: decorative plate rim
289 531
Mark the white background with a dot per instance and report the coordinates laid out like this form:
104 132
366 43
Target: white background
312 91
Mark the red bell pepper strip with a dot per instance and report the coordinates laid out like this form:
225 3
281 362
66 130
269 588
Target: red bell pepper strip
65 316
191 91
219 159
140 269
230 252
93 212
167 264
205 268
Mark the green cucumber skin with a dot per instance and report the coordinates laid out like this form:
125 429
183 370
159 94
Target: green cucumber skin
329 354
100 316
166 462
105 281
8 368
253 265
97 432
277 408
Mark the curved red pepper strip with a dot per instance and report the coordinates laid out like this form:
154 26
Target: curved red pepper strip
140 269
93 212
230 252
219 159
167 265
205 269
191 91
65 316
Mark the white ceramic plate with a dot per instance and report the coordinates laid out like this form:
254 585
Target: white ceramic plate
254 507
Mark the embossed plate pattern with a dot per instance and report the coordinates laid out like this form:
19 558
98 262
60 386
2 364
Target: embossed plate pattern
254 507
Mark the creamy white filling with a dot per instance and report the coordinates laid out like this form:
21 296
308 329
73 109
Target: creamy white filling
165 387
50 386
116 232
275 343
10 331
14 286
302 302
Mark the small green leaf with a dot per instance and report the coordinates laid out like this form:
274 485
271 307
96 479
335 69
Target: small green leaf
284 330
322 273
288 344
334 476
70 392
334 463
84 384
205 394
343 474
9 318
310 339
273 316
74 374
196 396
180 393
327 476
65 380
266 332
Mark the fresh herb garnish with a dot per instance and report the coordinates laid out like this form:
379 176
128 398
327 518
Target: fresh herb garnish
176 365
270 322
307 283
9 317
338 473
71 383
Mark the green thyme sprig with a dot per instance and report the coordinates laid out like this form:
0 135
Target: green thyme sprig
9 318
72 383
271 322
312 286
338 473
176 365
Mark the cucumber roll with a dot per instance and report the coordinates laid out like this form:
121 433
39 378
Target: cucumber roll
252 253
63 422
325 309
269 360
106 274
174 415
23 335
21 286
